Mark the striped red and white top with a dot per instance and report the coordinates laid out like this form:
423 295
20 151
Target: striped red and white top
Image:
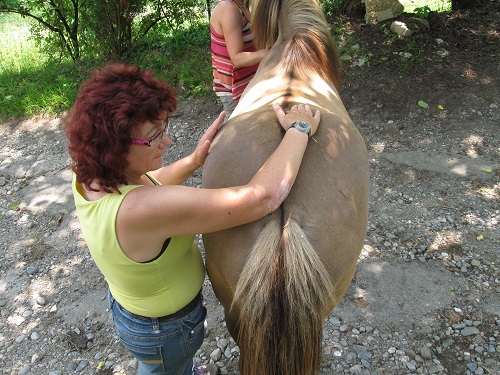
229 80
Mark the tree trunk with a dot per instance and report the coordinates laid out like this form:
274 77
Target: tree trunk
209 11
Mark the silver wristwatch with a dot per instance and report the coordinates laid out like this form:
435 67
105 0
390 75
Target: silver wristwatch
301 126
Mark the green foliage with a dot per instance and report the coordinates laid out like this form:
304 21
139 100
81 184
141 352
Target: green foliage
47 89
118 28
55 26
338 29
183 58
30 81
411 6
422 12
34 83
330 7
72 28
14 206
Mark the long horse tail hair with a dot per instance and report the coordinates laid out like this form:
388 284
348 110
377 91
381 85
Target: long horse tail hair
284 291
302 25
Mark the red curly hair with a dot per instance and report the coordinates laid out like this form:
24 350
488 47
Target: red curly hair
111 103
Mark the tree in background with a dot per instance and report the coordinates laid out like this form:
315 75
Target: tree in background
77 28
119 23
56 23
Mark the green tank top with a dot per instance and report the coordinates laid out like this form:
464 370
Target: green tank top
157 288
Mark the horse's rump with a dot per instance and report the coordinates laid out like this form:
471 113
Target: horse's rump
284 273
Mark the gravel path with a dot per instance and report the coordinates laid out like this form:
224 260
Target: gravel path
425 298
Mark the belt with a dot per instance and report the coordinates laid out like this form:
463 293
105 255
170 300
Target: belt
180 313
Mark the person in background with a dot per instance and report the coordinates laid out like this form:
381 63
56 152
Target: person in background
139 222
234 57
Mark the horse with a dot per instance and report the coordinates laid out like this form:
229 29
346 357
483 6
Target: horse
280 277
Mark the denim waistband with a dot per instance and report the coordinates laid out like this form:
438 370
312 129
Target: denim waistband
180 313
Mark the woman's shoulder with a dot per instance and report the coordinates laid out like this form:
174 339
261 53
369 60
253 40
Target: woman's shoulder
227 6
91 195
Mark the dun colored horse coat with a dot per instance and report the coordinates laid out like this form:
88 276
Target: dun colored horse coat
279 278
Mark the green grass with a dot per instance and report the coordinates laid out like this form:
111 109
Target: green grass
33 84
17 55
434 5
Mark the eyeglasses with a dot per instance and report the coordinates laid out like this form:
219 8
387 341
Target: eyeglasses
155 140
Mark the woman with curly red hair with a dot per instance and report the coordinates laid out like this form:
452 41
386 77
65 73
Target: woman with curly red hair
139 222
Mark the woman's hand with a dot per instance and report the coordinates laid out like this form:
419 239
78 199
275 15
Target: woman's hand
179 171
298 112
203 147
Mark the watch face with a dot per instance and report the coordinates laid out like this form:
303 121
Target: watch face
302 126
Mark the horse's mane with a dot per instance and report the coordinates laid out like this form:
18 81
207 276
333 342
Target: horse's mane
301 24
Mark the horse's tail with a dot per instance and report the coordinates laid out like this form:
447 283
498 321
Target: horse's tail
283 297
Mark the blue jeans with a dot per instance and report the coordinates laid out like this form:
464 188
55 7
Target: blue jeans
165 347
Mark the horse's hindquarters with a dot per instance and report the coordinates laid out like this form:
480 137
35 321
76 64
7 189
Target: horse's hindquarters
329 199
286 272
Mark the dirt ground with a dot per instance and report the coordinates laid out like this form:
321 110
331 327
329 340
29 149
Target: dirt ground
427 280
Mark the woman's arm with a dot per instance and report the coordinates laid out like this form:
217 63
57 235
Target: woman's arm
150 214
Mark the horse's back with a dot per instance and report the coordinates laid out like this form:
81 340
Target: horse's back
329 199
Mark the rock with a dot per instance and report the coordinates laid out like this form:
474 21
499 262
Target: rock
133 363
426 353
469 331
441 52
343 328
216 355
41 301
26 369
72 366
400 28
222 343
436 369
381 10
418 24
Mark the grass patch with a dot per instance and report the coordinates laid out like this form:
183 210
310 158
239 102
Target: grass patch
413 6
47 89
33 84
